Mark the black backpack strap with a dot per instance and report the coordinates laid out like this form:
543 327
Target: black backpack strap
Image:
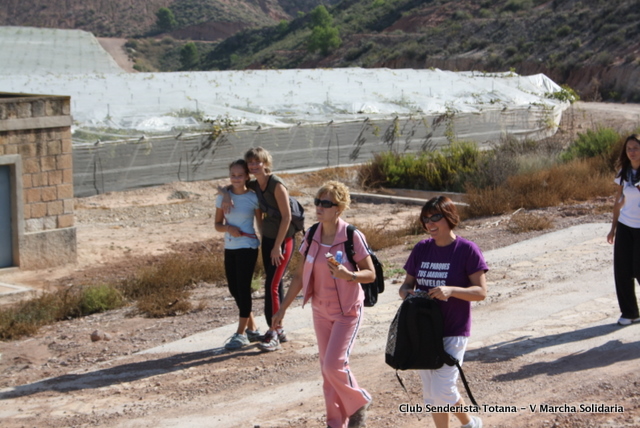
466 385
348 246
310 232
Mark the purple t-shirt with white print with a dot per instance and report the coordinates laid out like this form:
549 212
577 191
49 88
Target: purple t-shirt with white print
433 266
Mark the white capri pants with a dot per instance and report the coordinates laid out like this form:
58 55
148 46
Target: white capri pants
439 387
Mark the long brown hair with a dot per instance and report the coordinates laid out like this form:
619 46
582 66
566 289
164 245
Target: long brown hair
243 164
624 163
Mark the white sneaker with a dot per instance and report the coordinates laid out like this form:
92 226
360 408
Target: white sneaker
476 422
627 321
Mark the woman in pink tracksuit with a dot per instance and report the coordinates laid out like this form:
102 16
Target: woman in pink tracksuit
336 301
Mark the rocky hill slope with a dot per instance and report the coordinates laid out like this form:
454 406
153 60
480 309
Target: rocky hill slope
590 45
584 44
208 19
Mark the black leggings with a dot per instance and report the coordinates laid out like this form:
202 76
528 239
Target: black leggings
626 267
239 265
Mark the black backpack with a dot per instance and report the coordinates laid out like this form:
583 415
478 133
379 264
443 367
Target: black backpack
297 210
372 289
415 340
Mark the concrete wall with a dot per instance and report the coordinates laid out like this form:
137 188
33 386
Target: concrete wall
35 141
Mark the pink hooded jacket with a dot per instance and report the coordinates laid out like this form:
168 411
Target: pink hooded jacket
349 293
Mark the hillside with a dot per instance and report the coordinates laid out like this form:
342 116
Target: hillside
585 44
590 45
199 19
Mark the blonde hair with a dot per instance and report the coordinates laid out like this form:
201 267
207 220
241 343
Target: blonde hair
261 155
338 191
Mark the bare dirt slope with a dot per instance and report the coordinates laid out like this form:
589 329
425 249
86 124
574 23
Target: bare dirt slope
544 337
115 47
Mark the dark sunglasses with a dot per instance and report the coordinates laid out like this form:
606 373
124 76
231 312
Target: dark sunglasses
433 218
324 203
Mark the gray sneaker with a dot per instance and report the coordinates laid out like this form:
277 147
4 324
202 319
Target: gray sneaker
270 342
253 335
236 341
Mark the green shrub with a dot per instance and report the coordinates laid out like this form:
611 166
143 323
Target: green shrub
444 169
517 5
165 19
563 31
461 15
564 94
189 56
323 39
591 144
510 50
99 298
485 13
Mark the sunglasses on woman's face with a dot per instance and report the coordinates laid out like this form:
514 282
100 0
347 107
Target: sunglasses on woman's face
434 218
324 203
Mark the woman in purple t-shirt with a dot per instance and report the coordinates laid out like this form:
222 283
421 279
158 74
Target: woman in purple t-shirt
452 270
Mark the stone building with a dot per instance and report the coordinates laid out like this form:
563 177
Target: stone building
36 182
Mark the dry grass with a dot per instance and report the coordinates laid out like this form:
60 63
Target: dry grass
381 236
296 258
28 316
159 288
527 222
578 180
163 289
603 209
315 179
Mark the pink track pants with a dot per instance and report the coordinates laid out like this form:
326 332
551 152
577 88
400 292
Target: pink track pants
336 334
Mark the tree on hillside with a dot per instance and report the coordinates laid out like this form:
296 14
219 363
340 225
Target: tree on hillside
166 20
323 39
320 17
324 35
189 56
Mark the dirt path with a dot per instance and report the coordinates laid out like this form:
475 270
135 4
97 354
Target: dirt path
549 321
115 48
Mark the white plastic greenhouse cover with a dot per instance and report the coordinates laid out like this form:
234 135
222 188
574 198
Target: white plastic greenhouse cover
71 62
30 50
304 115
